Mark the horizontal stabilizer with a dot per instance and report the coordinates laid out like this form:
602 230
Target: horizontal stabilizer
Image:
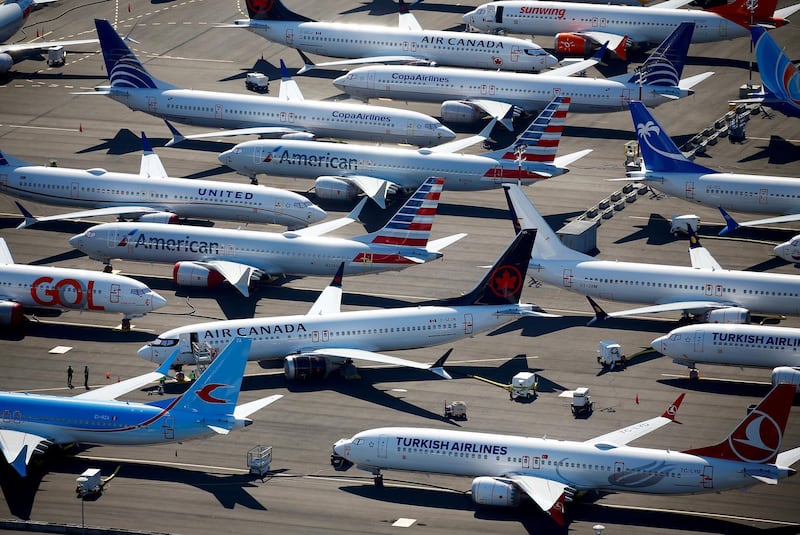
464 143
691 81
564 161
787 458
436 246
246 409
115 390
329 226
219 430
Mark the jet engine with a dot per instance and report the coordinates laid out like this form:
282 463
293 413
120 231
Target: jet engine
6 62
490 491
727 315
307 367
302 136
571 44
786 374
160 217
11 314
455 111
330 187
191 274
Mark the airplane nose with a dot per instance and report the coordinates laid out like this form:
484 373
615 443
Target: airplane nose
75 241
659 343
339 446
550 61
156 300
445 134
225 157
315 214
340 84
147 353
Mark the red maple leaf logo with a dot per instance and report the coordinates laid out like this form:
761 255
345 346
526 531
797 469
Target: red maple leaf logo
506 281
260 7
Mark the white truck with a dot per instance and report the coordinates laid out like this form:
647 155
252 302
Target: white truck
256 81
582 404
523 385
610 354
56 56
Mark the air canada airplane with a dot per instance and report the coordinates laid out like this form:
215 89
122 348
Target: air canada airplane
327 339
206 256
286 115
752 346
151 195
551 471
578 27
342 171
657 81
720 295
31 288
32 422
407 43
779 75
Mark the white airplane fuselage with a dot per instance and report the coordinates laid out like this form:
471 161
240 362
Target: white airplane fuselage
458 49
12 17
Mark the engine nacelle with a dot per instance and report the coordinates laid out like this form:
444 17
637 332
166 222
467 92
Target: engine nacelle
727 315
6 62
455 111
786 375
330 187
160 217
303 136
490 491
571 44
11 314
191 274
306 367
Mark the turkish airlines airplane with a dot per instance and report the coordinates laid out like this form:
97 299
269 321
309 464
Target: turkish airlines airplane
151 195
551 471
326 339
752 346
206 256
578 27
460 90
720 295
286 115
407 43
343 171
25 287
779 76
32 422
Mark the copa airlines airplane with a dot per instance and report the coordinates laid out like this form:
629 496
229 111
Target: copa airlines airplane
666 169
779 75
407 43
206 256
31 422
752 346
25 287
342 171
327 339
704 288
551 471
462 90
287 115
151 195
578 27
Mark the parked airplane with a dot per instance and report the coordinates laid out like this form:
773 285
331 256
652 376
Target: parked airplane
32 422
779 75
407 43
342 171
465 94
666 169
551 471
578 27
752 346
151 195
721 295
13 14
206 256
287 115
327 339
27 287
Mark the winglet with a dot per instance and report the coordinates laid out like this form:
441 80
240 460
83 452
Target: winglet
146 146
30 219
438 366
307 63
284 71
177 137
337 279
730 222
20 463
672 410
601 52
694 240
599 313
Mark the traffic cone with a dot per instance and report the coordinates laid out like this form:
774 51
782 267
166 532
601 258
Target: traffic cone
80 127
637 398
129 7
108 375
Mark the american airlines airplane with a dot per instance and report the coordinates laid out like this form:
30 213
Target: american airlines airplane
25 287
343 171
551 471
779 76
151 195
31 422
578 27
206 256
720 295
407 43
286 115
752 346
461 90
326 339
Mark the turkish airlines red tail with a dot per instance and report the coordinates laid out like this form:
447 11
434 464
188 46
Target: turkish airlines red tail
739 13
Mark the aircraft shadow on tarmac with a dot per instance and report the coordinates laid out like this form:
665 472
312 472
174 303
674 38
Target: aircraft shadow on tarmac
721 386
778 151
382 7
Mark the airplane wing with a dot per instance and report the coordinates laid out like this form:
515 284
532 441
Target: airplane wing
408 21
151 166
461 144
5 253
546 493
360 354
289 89
239 275
564 161
731 224
570 68
266 131
330 300
325 227
361 61
115 390
700 256
437 245
19 47
246 409
623 436
30 219
677 306
19 447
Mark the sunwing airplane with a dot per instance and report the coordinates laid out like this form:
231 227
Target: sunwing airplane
151 195
665 168
779 75
407 43
551 471
578 27
286 115
206 256
721 295
26 287
34 422
752 346
342 171
465 94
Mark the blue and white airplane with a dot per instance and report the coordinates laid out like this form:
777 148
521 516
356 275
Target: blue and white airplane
779 75
33 422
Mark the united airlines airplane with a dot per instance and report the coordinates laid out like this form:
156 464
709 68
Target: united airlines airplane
551 471
407 43
287 115
151 195
779 75
31 423
31 288
657 81
205 256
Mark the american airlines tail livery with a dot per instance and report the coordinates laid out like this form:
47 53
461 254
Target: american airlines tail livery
551 471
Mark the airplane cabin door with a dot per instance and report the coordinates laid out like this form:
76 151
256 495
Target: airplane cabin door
763 196
468 323
152 105
290 36
113 295
75 190
698 342
218 110
688 190
536 462
383 441
515 54
168 427
498 15
708 477
526 461
566 278
410 130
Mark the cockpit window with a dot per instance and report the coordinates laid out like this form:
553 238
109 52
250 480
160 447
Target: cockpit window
164 342
535 51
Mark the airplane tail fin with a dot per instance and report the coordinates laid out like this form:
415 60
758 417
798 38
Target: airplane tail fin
10 161
730 222
757 438
124 69
778 74
739 12
273 10
665 65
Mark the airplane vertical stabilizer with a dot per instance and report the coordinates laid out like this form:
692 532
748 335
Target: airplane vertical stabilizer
778 74
123 67
665 65
739 11
10 161
272 10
